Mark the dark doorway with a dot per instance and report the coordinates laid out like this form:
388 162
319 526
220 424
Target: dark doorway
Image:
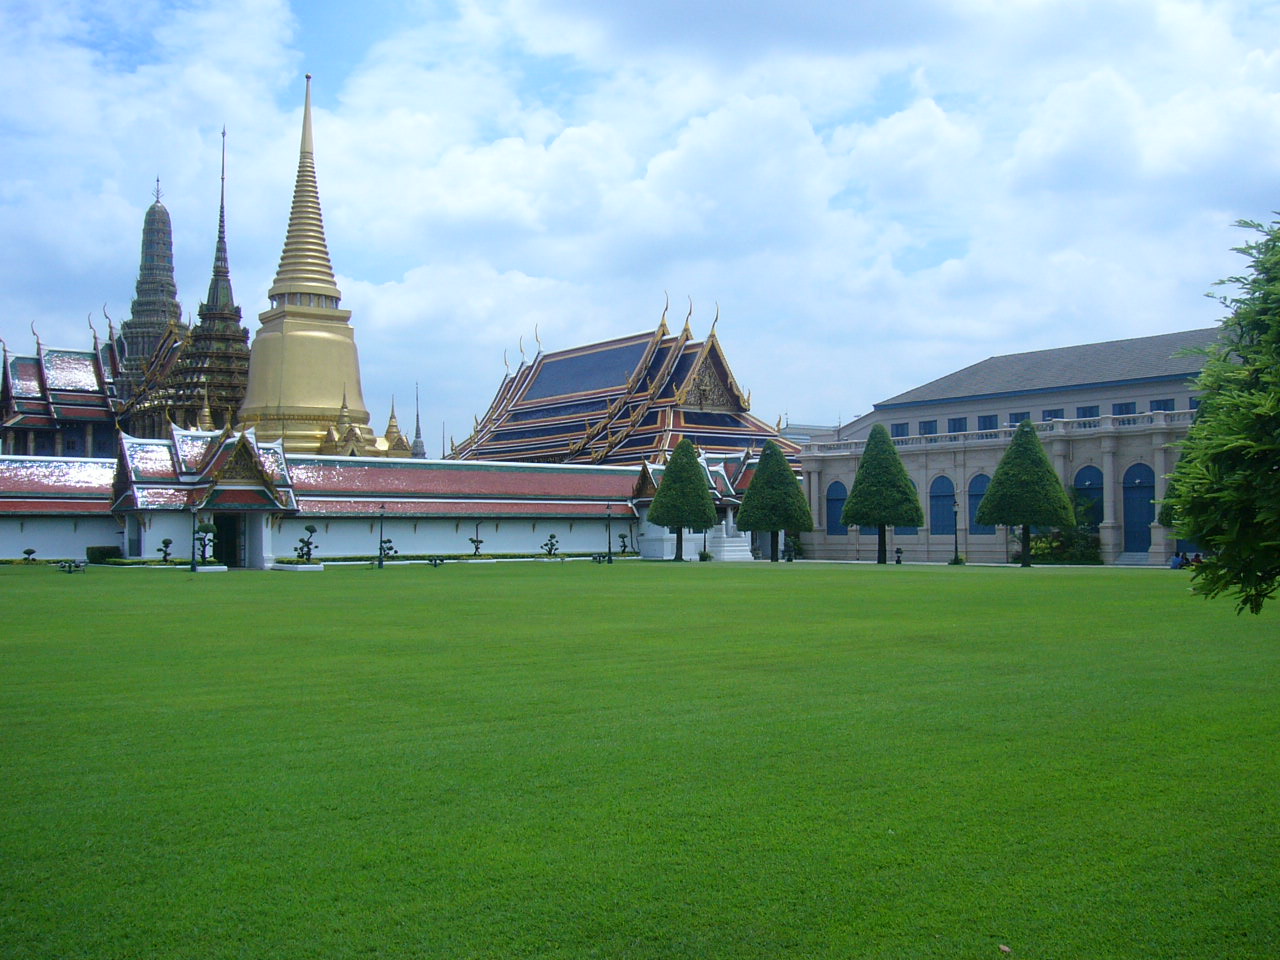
228 540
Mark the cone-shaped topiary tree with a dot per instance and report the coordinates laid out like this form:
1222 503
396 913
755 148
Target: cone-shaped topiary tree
683 498
1225 491
1025 490
882 494
774 501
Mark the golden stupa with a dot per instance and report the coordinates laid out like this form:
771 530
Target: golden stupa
304 371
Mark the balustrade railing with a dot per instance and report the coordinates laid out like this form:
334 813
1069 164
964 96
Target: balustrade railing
1156 419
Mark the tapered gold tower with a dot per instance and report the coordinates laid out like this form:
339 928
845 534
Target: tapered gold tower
304 355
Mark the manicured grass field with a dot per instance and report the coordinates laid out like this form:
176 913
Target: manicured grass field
636 761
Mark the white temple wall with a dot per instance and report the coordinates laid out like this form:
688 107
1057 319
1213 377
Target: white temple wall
358 536
57 538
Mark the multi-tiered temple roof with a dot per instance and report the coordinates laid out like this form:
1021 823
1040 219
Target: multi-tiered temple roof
624 401
59 402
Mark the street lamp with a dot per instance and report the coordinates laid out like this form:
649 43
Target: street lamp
955 529
608 533
382 513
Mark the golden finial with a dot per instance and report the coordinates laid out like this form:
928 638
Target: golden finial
34 334
506 366
521 345
688 331
715 321
536 338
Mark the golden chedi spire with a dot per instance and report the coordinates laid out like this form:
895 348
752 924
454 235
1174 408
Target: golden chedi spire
304 370
304 263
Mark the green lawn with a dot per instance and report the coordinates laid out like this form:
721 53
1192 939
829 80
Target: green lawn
643 760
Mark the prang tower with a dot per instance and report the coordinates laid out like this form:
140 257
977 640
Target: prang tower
155 310
304 371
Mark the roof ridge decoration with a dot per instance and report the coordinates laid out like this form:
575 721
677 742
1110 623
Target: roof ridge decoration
242 464
696 381
305 266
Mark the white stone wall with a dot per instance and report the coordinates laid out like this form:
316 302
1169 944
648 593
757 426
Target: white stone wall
347 536
57 537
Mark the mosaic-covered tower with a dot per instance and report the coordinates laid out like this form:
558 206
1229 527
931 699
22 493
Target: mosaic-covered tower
212 374
304 358
155 311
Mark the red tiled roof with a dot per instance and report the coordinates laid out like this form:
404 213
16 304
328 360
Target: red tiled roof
30 507
464 479
149 459
47 477
309 506
163 498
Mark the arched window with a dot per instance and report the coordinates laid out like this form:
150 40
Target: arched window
942 506
837 493
1088 489
977 490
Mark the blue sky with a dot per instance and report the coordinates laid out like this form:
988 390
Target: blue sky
874 195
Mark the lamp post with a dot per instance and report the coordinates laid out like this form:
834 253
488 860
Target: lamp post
382 513
608 533
955 529
194 510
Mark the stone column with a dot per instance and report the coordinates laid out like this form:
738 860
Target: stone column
1162 540
1109 531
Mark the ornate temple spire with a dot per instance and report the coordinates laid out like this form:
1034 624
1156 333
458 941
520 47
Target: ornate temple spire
393 425
204 382
204 419
344 414
419 448
305 268
155 307
221 302
304 356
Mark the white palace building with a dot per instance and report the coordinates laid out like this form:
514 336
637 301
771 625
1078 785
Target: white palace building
1109 414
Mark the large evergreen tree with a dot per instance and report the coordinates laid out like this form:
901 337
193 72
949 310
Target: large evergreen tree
1025 490
882 495
1225 491
683 498
774 501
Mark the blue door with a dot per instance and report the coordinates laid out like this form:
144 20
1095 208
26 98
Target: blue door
836 496
1088 489
1139 507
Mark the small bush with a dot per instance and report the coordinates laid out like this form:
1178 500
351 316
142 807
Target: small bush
102 554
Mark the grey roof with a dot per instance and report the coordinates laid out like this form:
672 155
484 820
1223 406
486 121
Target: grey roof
1141 358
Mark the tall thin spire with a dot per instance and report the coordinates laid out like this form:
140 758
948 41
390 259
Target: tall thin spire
305 268
221 302
419 448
